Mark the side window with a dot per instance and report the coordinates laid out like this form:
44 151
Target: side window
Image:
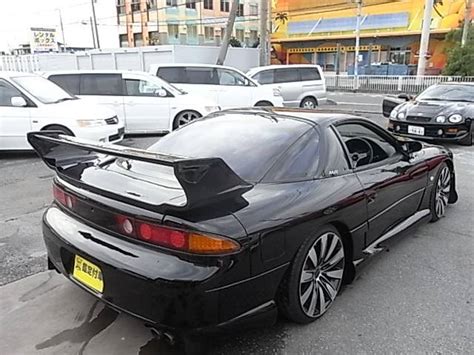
309 74
7 91
228 77
286 75
101 84
203 76
137 87
172 74
265 77
365 145
299 162
69 82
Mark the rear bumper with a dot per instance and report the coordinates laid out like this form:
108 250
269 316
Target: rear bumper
451 132
164 290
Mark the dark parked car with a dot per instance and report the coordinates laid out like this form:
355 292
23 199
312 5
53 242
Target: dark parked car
441 112
235 216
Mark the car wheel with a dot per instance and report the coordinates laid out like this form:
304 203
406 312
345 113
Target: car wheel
264 104
62 129
308 103
184 118
440 193
468 140
314 278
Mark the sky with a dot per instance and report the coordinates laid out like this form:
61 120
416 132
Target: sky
17 16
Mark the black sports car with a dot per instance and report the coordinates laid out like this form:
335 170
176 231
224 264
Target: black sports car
237 215
441 112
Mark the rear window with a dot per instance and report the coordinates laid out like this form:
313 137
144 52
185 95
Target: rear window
308 74
172 74
101 84
69 82
286 75
250 144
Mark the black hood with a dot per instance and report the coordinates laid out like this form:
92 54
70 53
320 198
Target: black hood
427 111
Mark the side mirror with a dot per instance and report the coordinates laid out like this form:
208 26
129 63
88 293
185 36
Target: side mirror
162 92
405 97
18 101
410 146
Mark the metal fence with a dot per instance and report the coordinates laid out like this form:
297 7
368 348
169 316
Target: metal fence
25 63
388 84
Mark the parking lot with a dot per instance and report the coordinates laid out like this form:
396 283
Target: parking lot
415 298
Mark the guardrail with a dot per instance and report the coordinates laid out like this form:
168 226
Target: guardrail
388 84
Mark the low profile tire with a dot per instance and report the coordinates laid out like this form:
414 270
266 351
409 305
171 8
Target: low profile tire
64 130
309 103
264 104
314 278
468 140
183 118
440 193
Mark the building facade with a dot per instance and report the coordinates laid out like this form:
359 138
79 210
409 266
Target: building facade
322 32
195 22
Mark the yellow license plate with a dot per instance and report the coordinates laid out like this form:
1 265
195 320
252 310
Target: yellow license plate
88 274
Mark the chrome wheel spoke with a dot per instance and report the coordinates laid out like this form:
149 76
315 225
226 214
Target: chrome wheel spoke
313 257
331 249
334 274
314 298
443 187
323 245
335 259
306 294
328 287
322 300
306 276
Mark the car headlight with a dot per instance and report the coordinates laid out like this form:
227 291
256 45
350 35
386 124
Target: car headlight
212 108
90 123
441 119
276 92
401 115
393 114
456 118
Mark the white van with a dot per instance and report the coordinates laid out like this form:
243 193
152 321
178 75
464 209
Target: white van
229 87
144 102
300 85
29 103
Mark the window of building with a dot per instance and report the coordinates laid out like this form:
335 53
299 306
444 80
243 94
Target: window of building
190 4
138 39
173 3
152 4
209 33
400 56
253 37
135 5
209 4
173 30
123 40
253 9
240 10
225 6
191 31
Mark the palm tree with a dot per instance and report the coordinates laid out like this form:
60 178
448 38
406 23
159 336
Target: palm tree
280 17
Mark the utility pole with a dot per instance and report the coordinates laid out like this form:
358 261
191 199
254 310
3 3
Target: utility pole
264 35
228 32
95 23
92 31
467 22
357 33
425 38
62 27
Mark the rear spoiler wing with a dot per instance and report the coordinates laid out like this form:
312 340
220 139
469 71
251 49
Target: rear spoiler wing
202 180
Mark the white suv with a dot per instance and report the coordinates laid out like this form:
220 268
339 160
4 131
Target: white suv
29 102
229 87
301 85
144 102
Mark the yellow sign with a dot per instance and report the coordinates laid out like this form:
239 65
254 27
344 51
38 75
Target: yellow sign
332 49
88 274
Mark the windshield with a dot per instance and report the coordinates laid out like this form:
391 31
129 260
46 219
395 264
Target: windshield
42 89
464 93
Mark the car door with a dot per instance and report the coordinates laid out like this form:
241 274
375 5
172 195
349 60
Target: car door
104 89
15 121
393 184
147 105
289 82
235 90
312 83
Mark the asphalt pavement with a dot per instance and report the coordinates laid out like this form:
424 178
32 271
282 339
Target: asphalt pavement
415 298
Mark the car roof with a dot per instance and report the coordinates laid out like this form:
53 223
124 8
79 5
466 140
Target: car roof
318 117
283 66
180 65
456 83
11 74
90 71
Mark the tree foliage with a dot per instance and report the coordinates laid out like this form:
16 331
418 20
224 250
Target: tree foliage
460 59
